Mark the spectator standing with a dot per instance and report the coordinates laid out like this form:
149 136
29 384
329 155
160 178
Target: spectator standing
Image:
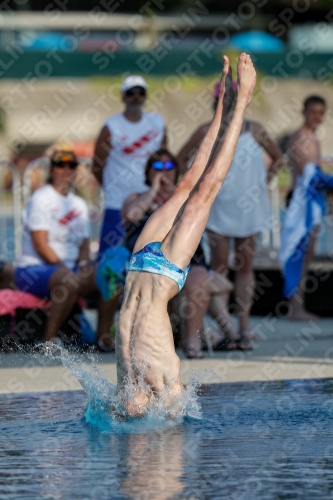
123 147
299 231
241 208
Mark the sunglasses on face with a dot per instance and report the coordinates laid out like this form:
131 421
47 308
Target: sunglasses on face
163 165
139 91
62 164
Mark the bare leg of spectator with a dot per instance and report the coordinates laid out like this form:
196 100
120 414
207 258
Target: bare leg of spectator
220 288
218 306
106 309
298 312
64 286
196 290
219 249
218 309
244 281
106 312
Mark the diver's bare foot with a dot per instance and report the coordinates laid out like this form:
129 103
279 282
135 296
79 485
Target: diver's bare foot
303 315
246 77
230 93
225 72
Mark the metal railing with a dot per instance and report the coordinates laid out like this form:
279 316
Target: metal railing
10 212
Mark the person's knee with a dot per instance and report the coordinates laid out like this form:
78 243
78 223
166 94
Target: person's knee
197 275
85 286
65 284
207 187
197 286
72 281
200 201
219 250
243 263
219 283
245 272
185 184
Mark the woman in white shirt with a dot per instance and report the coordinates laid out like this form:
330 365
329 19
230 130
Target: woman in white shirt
55 252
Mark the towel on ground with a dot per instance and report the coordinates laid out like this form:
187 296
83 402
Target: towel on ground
305 212
10 300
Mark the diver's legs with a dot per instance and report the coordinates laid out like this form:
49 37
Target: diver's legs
183 239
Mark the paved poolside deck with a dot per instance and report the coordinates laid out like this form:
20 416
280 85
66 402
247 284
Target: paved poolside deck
284 350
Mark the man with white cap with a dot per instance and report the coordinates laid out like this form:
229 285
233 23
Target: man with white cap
123 147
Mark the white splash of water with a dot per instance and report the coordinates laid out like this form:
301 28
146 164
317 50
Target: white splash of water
104 409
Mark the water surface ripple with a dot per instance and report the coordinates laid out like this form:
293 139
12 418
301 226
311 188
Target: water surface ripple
259 441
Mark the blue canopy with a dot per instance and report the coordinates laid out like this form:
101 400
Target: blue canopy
257 41
44 41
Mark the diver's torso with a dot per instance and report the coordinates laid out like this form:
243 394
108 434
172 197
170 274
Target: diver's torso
144 339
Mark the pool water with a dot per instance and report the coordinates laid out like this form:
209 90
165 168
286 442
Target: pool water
253 441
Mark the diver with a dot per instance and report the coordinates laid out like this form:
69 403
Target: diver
148 368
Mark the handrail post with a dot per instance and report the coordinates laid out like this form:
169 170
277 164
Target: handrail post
17 205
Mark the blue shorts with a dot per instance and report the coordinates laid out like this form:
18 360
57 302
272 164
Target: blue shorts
35 279
112 230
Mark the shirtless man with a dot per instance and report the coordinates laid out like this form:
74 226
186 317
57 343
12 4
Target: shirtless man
146 357
304 147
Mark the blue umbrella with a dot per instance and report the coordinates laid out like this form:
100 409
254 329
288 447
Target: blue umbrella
257 41
44 41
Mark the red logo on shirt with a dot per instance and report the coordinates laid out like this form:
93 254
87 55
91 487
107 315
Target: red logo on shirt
140 142
70 216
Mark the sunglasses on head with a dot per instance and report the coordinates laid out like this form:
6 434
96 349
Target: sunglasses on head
163 165
62 164
131 92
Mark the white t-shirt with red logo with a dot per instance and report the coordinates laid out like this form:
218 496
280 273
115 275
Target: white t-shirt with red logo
66 219
132 143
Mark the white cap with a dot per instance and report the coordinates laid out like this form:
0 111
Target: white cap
133 81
